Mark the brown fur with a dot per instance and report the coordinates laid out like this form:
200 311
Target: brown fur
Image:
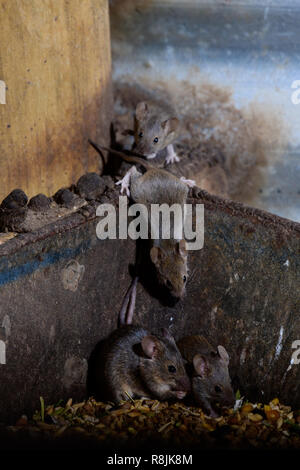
209 370
169 256
129 372
158 186
154 122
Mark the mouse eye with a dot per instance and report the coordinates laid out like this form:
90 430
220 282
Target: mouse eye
141 134
172 369
184 279
218 389
155 140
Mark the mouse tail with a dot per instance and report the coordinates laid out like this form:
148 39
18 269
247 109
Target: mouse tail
128 305
133 158
96 147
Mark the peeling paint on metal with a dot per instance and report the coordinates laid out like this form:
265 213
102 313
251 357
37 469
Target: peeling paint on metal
72 274
6 324
2 352
52 334
279 344
10 274
75 371
243 356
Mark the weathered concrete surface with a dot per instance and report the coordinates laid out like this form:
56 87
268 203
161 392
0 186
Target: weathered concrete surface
61 289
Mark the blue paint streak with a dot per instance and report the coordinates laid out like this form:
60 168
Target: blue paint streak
13 274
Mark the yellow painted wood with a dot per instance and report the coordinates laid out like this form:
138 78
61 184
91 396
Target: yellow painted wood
56 65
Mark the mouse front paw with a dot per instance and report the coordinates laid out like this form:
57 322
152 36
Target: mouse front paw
211 413
171 155
172 158
180 394
190 183
125 183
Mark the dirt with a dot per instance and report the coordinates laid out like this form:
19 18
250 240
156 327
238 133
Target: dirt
17 215
224 148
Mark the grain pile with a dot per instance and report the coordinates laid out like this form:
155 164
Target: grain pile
139 422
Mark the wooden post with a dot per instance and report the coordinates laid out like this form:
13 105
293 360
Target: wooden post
56 65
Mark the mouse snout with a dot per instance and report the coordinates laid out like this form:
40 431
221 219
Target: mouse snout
184 384
229 399
143 148
178 293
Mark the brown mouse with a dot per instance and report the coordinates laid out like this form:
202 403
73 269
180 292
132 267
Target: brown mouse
155 128
136 363
158 186
211 382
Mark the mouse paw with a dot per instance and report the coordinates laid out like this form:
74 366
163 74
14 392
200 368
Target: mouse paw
190 183
171 155
150 156
125 183
212 414
180 394
172 158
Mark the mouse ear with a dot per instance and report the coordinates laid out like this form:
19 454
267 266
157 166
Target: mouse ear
182 248
150 346
201 366
156 254
170 125
223 354
166 334
141 110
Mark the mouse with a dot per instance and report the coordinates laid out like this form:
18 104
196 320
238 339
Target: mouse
158 186
135 363
155 128
208 369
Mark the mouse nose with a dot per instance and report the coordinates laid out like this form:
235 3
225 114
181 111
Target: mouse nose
141 148
178 293
184 383
229 398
